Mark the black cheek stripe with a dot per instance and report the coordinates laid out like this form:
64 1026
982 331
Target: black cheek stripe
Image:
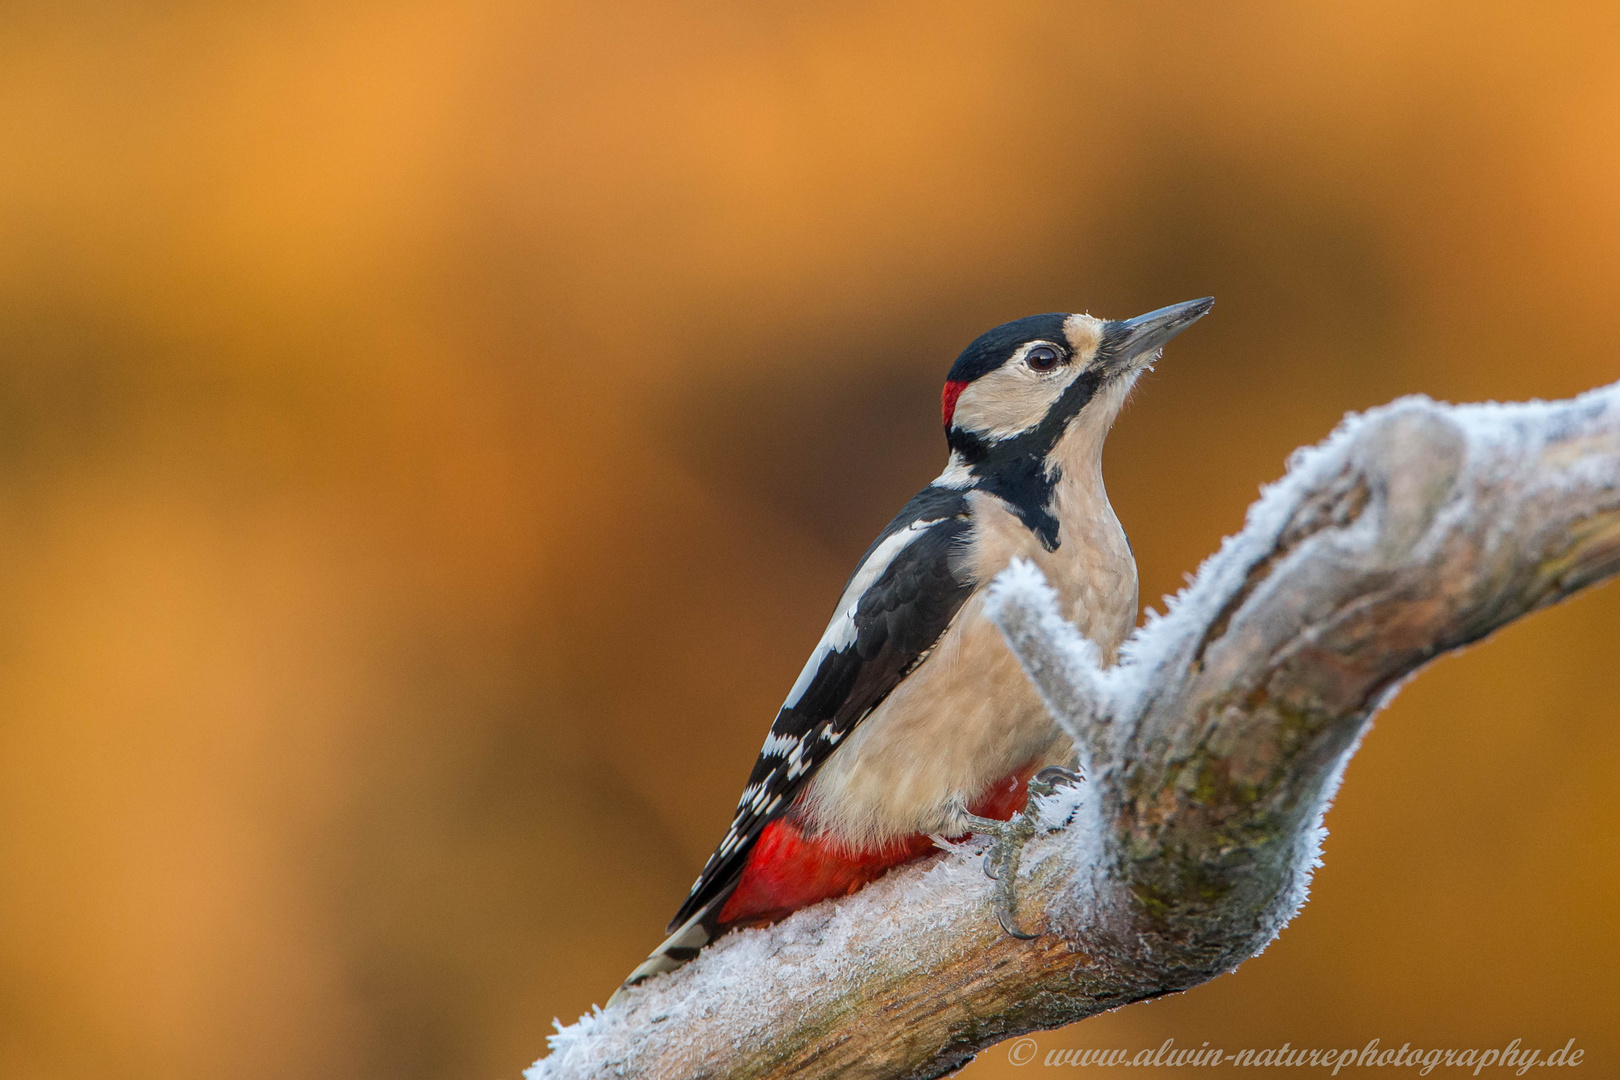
1015 469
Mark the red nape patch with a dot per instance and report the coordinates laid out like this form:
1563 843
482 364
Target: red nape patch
947 400
788 870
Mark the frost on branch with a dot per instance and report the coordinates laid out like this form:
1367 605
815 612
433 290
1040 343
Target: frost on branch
1063 666
1211 752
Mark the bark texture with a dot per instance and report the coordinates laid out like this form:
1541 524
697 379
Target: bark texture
1211 754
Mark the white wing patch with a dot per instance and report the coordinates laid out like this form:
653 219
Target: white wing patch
840 631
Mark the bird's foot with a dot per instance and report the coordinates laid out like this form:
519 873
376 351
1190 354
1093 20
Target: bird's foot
1001 861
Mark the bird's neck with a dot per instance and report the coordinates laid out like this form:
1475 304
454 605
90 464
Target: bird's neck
1042 488
1066 527
1042 478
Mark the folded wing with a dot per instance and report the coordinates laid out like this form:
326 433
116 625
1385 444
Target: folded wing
897 605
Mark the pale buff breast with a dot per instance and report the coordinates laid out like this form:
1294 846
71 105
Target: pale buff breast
967 716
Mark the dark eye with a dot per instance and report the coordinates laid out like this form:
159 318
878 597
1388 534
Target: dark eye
1042 358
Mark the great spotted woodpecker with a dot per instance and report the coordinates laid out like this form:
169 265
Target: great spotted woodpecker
911 719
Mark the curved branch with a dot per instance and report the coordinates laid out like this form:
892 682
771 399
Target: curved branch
1212 750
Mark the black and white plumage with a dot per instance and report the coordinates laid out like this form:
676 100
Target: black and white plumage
895 607
910 710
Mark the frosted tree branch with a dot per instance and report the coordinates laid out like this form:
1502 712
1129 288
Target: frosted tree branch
1063 666
1212 752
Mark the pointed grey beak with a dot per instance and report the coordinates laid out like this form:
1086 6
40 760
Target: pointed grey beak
1128 339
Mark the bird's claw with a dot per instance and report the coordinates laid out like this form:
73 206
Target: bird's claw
1001 861
1006 919
1051 778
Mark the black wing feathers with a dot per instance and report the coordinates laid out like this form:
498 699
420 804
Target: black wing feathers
897 621
915 600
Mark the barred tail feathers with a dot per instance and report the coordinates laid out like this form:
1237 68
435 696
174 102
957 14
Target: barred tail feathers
677 949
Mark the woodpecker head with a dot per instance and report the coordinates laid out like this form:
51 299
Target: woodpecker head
1041 375
1032 395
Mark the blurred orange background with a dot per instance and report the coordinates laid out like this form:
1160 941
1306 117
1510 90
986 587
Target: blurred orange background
433 435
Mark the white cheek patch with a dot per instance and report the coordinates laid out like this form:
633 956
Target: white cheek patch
1011 399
